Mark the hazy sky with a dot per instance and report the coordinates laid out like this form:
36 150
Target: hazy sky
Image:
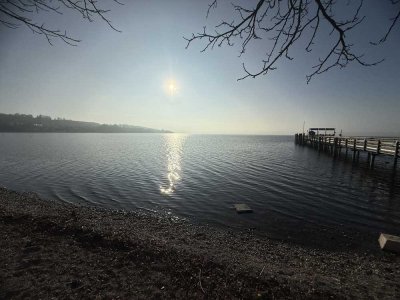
113 77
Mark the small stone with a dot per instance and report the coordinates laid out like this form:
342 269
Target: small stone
74 284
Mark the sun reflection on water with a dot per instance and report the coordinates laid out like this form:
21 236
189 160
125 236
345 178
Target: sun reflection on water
174 144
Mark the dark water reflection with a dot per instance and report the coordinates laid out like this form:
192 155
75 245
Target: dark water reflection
294 191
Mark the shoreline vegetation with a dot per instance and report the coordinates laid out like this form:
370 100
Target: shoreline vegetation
40 123
52 249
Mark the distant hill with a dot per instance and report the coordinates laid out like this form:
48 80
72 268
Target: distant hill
40 123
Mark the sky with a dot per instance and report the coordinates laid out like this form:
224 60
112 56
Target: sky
145 76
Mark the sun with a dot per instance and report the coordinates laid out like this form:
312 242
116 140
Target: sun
171 87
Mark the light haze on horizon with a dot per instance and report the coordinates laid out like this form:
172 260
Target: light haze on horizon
124 78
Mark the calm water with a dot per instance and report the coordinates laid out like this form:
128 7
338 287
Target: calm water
292 190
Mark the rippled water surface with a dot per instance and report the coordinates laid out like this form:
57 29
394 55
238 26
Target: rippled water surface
200 177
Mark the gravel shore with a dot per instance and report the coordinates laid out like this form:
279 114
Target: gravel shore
58 250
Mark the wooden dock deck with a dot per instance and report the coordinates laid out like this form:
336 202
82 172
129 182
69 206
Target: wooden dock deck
373 146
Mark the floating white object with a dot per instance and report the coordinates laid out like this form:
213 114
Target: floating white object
242 208
389 242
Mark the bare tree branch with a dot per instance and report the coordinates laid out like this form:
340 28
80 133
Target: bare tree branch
14 13
284 22
394 22
212 5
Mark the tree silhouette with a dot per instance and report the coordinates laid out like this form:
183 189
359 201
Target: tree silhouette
14 13
284 22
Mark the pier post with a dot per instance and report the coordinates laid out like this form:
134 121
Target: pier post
347 149
327 144
319 144
335 147
396 153
354 149
296 138
378 148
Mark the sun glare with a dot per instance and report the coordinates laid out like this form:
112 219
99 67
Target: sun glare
171 87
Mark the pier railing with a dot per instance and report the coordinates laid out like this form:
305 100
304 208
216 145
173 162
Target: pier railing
373 146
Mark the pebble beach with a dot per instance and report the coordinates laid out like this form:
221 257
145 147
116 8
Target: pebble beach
57 250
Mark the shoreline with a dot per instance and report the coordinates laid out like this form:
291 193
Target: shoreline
53 249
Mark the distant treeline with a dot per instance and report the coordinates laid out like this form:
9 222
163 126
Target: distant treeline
29 123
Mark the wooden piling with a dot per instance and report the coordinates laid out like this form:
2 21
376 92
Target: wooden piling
335 147
378 148
319 143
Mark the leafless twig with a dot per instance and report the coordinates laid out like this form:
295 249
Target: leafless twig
283 22
14 13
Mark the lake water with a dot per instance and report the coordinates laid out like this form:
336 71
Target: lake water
294 191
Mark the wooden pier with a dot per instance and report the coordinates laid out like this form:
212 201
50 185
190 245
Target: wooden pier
338 146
